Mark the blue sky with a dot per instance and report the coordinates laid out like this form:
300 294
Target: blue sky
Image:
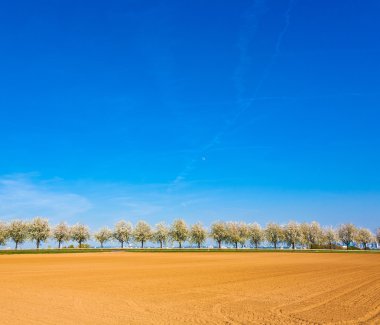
244 110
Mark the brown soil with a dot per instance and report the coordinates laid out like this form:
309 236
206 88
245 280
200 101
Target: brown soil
193 288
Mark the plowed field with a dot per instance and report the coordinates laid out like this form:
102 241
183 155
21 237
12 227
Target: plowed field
190 288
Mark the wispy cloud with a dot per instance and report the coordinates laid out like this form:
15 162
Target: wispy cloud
137 207
249 28
318 96
22 196
243 104
26 195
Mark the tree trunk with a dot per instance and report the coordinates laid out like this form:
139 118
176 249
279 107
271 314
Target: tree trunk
38 244
59 244
275 245
142 244
347 246
16 244
365 246
293 245
80 244
180 244
101 245
256 244
236 245
161 244
219 244
199 245
122 244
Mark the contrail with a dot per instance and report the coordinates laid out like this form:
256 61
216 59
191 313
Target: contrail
257 10
268 69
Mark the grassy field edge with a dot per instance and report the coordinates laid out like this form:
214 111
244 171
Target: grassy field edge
183 250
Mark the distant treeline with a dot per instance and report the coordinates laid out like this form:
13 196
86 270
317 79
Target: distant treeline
233 234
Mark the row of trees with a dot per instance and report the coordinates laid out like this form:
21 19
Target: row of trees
231 233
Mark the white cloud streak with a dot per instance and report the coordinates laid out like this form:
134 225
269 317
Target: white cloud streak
243 104
25 196
20 197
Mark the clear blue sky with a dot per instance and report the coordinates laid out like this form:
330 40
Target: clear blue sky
245 110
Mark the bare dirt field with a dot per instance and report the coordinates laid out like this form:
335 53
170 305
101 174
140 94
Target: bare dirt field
193 288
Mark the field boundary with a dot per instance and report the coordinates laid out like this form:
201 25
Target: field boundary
178 250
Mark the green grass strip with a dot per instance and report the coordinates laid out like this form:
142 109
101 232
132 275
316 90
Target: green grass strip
177 250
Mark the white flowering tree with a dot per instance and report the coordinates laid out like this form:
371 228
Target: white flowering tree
347 233
237 233
312 234
39 230
364 237
292 233
378 235
123 232
274 234
80 233
4 233
198 234
161 233
142 233
218 232
179 231
330 236
255 234
18 231
103 235
61 233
